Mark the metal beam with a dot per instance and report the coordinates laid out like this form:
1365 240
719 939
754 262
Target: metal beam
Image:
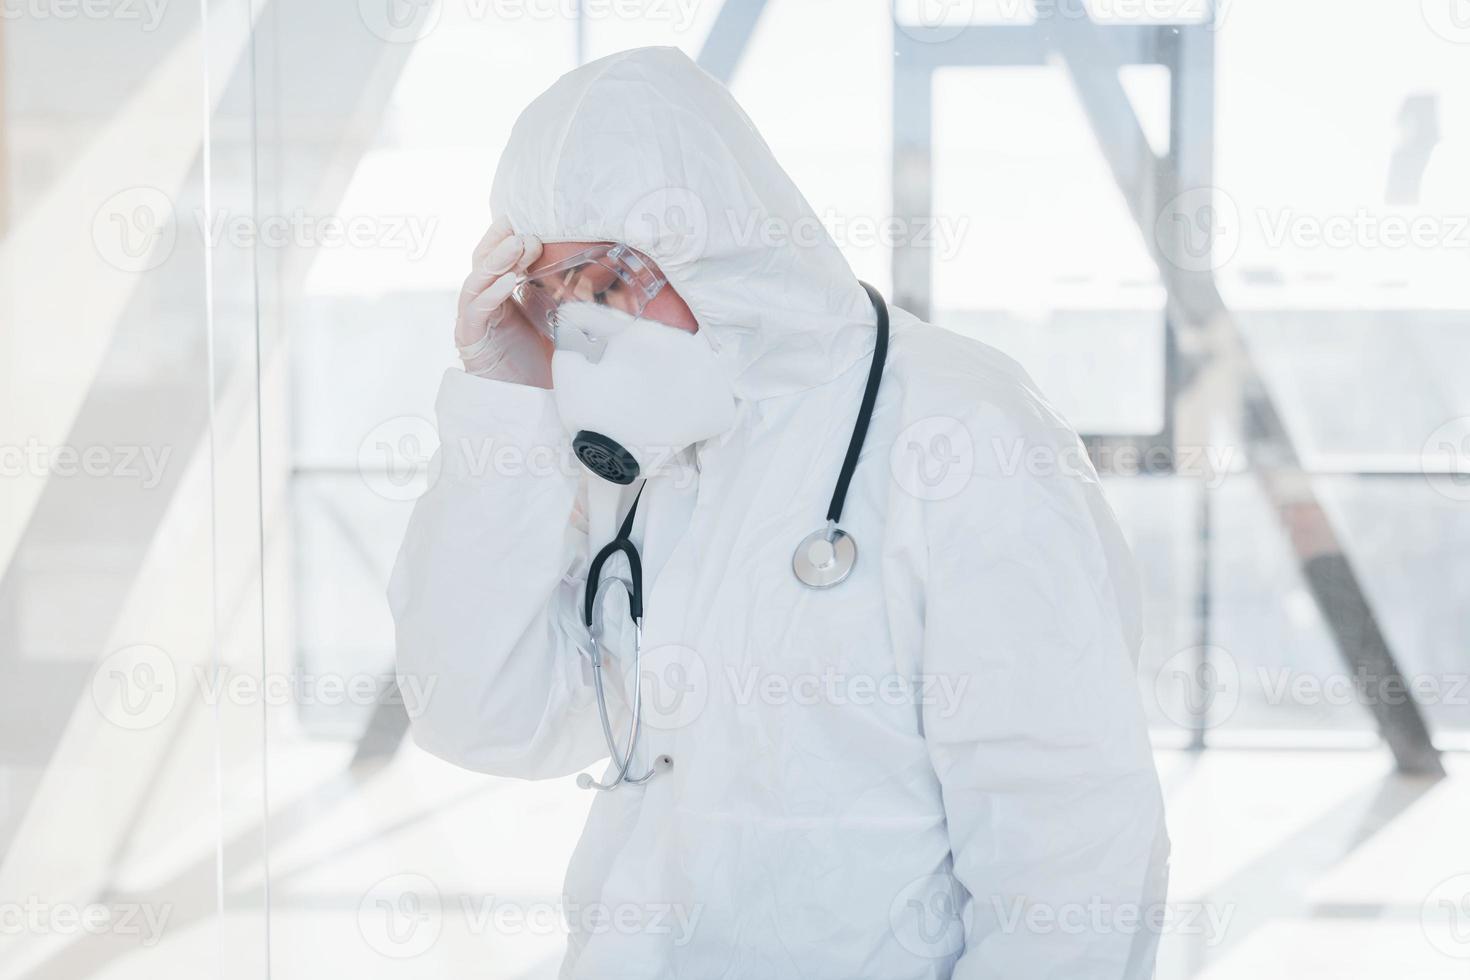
728 36
1215 359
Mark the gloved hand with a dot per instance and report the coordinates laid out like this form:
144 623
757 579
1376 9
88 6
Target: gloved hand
493 338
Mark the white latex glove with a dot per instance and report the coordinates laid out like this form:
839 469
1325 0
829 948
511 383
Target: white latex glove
493 338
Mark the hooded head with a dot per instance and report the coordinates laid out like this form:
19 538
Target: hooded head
644 147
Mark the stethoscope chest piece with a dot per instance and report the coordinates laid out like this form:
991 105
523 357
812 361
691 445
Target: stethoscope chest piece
825 557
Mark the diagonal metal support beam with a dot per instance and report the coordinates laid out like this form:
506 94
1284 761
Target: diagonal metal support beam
728 37
1212 346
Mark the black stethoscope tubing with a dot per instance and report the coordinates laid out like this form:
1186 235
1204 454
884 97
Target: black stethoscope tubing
623 542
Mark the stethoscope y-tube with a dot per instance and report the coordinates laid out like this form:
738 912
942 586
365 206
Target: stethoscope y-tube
593 595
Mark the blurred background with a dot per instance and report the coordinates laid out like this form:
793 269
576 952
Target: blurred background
1230 239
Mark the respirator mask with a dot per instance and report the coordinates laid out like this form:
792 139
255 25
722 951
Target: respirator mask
632 392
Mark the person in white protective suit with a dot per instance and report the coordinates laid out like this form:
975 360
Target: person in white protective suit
937 767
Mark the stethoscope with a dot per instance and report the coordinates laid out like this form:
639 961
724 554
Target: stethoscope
823 559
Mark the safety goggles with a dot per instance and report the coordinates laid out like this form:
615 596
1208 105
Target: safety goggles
608 275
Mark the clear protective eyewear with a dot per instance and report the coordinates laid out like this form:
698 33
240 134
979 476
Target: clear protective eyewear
617 276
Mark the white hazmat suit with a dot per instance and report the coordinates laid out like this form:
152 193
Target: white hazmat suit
937 768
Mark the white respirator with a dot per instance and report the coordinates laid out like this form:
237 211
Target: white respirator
633 393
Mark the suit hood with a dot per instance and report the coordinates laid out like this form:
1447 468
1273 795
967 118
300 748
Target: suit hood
644 147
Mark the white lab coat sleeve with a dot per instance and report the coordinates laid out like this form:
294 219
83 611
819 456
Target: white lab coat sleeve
485 590
1052 801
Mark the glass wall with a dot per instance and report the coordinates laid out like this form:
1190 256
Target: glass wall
1231 241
